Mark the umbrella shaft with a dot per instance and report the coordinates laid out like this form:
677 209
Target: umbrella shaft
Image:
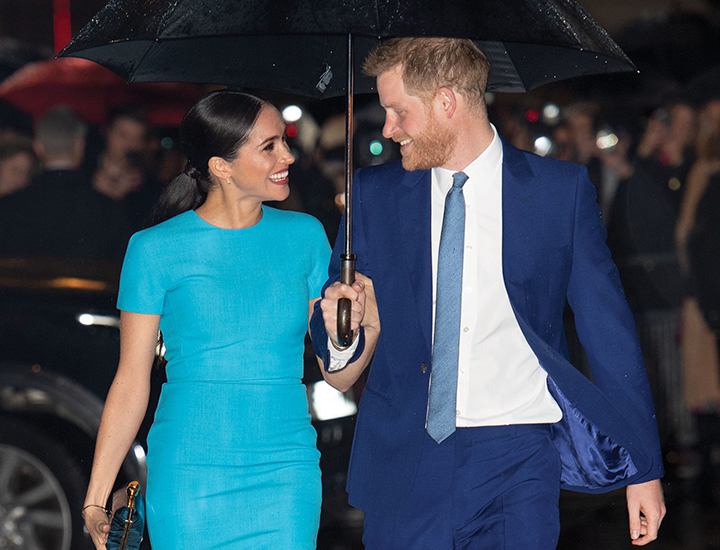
349 146
347 273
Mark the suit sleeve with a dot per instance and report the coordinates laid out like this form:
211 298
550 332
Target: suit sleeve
605 323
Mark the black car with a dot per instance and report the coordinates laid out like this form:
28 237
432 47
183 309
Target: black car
59 350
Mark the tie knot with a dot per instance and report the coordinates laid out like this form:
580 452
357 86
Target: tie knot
459 179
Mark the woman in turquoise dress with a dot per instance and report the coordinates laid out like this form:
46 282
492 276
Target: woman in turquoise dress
230 282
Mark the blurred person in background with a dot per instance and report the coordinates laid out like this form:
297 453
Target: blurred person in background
646 207
370 148
666 149
603 141
121 172
615 142
58 215
321 175
164 157
18 165
576 139
512 125
710 116
697 237
14 123
641 236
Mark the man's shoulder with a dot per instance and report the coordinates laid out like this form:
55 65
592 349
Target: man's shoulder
537 163
393 171
384 178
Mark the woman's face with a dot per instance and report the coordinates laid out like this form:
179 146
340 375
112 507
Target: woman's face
260 170
15 173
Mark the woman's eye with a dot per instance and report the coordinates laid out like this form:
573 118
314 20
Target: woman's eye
269 147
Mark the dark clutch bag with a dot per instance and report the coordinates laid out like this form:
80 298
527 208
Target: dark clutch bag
128 523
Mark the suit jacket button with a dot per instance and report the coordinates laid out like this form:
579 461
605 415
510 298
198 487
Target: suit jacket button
423 368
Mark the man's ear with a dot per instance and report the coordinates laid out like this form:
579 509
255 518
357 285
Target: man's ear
219 167
447 101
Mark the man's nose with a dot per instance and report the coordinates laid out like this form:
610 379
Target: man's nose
389 128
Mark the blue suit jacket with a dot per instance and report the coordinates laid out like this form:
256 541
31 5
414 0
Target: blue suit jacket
553 250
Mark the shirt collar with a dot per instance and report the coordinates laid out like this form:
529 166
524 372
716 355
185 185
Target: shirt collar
486 163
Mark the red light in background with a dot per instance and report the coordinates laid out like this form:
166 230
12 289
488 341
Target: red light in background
291 130
61 23
532 115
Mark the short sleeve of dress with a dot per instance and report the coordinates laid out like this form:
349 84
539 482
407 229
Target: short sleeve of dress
141 288
320 255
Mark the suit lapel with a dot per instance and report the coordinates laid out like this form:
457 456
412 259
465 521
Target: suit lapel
414 219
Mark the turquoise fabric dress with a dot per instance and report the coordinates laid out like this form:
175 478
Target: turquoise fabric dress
232 460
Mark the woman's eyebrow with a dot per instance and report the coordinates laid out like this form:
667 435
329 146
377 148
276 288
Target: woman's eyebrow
271 138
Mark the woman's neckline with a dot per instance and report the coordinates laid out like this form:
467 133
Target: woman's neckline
205 222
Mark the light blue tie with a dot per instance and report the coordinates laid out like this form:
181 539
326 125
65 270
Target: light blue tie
443 381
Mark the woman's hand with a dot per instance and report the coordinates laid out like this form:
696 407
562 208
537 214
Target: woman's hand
98 525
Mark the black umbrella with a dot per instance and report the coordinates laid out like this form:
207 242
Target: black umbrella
299 46
308 47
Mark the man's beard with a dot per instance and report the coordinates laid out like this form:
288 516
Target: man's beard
430 149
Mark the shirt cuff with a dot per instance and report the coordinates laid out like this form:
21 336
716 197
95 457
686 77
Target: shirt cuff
340 358
359 348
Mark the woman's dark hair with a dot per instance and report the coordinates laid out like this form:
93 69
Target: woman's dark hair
216 126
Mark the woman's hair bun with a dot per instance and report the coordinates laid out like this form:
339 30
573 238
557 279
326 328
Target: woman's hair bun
191 171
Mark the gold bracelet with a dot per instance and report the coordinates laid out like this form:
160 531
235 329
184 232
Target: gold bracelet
107 512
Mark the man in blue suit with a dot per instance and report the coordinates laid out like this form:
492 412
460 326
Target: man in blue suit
472 418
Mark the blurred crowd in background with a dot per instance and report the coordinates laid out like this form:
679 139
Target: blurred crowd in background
650 142
656 169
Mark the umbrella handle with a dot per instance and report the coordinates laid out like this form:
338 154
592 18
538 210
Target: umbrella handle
347 277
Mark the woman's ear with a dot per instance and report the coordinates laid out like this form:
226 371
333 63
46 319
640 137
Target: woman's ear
219 167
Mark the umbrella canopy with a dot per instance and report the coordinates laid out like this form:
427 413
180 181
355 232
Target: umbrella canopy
92 91
309 47
300 46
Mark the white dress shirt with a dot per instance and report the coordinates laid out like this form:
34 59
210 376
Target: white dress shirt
500 380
